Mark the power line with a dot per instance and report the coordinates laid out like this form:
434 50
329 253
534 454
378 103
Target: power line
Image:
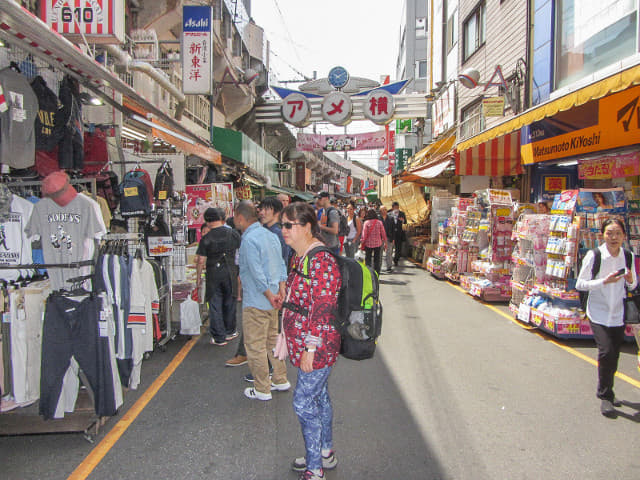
286 29
291 66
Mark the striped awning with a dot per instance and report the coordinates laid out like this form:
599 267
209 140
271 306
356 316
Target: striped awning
494 158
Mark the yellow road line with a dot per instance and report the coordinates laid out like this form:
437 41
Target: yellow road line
572 351
98 453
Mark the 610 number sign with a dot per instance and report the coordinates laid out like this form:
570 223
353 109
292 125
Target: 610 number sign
84 15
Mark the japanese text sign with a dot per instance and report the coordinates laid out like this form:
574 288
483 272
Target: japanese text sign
196 50
336 108
296 109
379 107
618 166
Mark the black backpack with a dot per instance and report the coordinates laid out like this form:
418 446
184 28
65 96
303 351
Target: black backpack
358 317
163 188
343 223
595 269
134 196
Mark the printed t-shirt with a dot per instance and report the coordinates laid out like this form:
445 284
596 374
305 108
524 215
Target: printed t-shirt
63 231
14 247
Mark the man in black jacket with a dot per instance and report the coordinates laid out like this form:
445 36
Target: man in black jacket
397 233
217 250
388 228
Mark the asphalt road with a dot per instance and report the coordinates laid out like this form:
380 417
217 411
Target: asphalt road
456 391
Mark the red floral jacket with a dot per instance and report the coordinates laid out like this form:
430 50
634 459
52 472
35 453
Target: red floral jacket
313 301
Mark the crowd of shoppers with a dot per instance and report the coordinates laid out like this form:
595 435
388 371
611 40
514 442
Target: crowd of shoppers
268 270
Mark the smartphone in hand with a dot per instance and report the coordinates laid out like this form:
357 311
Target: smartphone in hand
621 272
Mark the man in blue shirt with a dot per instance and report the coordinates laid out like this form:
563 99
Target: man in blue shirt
263 275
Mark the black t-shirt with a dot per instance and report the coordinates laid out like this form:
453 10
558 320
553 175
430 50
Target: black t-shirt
219 246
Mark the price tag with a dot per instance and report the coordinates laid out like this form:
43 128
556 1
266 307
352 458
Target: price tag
131 191
162 195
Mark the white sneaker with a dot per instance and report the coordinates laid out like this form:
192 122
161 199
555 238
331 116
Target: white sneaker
253 394
280 387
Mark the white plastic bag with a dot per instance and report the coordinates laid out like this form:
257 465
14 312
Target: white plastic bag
190 317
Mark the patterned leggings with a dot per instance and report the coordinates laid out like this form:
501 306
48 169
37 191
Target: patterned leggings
312 405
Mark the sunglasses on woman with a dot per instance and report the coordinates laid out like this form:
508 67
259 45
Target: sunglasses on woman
289 225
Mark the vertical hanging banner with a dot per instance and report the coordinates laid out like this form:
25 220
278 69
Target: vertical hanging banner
197 52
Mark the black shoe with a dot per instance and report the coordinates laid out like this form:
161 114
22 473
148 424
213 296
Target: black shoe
616 402
606 408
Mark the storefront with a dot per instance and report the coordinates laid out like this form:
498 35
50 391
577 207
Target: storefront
113 238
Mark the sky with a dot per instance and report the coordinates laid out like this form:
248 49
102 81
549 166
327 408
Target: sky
306 35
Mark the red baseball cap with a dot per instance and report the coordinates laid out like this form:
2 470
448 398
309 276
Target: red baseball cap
56 186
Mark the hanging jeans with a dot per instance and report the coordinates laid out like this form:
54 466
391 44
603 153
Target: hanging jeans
72 329
312 405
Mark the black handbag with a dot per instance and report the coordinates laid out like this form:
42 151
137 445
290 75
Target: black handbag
632 307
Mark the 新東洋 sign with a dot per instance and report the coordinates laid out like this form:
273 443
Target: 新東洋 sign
196 50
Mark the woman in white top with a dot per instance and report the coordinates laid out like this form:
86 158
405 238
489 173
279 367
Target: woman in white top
355 230
605 305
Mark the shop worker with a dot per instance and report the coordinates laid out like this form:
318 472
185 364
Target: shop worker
216 251
399 219
263 275
605 308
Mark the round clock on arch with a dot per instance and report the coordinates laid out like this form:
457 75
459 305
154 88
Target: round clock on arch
338 77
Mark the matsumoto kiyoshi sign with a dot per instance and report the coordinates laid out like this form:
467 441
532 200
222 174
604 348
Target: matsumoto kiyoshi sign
610 122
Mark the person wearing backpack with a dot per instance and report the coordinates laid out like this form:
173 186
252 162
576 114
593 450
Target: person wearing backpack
329 222
605 310
313 343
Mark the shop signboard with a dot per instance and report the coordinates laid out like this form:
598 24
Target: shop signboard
493 107
499 197
444 111
379 107
97 21
609 122
197 50
337 108
555 183
210 195
243 193
611 166
309 142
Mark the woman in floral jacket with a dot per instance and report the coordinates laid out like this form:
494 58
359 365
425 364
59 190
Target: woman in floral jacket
312 341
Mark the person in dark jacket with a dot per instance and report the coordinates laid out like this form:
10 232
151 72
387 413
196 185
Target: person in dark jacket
397 234
216 251
388 229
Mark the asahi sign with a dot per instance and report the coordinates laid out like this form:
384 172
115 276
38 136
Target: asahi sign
197 52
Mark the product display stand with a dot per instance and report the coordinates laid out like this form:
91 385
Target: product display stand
27 420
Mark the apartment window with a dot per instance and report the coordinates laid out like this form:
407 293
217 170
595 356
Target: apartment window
471 120
452 31
473 31
591 35
421 66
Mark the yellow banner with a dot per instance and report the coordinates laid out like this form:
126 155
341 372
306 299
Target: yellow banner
618 126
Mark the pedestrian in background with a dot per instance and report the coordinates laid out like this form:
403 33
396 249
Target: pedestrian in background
387 221
355 231
216 252
374 240
263 276
284 199
329 222
399 219
312 341
605 308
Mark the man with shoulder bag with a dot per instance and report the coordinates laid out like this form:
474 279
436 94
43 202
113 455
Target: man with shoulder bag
216 252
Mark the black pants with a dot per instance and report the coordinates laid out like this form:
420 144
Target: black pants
71 329
377 258
398 243
609 340
222 304
71 152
